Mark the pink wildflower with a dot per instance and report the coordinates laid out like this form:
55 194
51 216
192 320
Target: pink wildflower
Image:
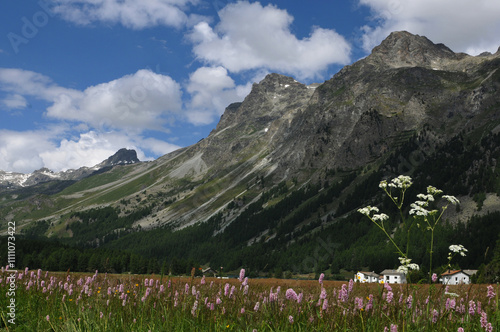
242 275
257 306
242 311
472 307
484 319
47 318
435 315
321 277
390 296
195 306
351 285
434 277
291 294
290 319
394 328
491 293
325 304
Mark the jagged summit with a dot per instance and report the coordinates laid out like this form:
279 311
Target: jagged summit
403 49
121 157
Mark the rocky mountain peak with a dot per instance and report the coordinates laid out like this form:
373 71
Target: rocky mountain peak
121 157
268 100
403 49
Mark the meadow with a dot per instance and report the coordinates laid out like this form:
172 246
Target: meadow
46 301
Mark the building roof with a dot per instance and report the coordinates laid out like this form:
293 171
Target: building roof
391 272
369 274
470 272
451 272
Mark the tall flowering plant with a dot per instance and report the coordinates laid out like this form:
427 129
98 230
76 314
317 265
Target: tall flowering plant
420 214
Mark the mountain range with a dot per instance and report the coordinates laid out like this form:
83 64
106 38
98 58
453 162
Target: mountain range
291 164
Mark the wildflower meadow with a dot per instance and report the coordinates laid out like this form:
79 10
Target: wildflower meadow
37 300
82 302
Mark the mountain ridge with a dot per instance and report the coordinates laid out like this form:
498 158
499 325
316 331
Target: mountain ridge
13 180
291 160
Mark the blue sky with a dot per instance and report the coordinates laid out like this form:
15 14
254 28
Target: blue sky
80 79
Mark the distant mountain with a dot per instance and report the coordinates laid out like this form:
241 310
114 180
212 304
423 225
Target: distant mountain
13 180
286 168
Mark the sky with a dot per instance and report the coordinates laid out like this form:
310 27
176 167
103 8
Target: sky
80 79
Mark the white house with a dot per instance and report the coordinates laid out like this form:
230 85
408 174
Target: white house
366 277
392 277
457 277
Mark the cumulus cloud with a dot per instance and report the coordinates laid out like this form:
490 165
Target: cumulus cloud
212 90
137 102
92 147
130 13
30 150
463 25
91 124
14 101
19 151
250 36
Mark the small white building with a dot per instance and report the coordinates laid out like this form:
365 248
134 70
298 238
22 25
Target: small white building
392 277
457 277
363 277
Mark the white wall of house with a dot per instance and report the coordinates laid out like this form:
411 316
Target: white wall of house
363 278
458 278
394 278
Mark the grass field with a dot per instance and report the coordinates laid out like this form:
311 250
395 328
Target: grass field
46 301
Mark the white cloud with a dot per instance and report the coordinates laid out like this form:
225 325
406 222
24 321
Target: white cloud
250 36
14 101
130 13
19 151
463 25
137 102
212 90
30 150
92 124
92 147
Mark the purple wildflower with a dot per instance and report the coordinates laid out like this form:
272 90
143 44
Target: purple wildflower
491 293
394 328
434 277
351 285
460 329
472 307
390 296
193 310
290 319
321 277
435 315
484 319
257 306
242 275
291 294
325 304
409 301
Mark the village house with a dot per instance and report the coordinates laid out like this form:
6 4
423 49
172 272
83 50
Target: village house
363 277
457 277
392 277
